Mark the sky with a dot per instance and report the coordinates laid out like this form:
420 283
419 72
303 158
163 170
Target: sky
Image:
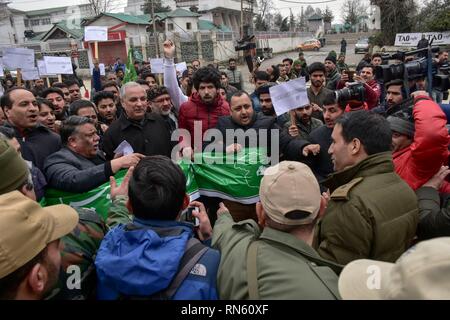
283 7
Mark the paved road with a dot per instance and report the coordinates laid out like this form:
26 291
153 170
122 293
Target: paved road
310 56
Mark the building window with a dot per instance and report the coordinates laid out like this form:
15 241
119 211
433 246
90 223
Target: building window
170 27
188 26
45 21
34 22
27 22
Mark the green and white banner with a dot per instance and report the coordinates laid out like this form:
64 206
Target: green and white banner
233 177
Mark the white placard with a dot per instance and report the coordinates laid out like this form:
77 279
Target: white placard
30 74
18 58
58 65
157 65
412 39
289 95
95 33
102 69
181 67
124 148
42 70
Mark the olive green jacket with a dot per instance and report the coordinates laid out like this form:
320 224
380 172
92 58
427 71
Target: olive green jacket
372 213
287 267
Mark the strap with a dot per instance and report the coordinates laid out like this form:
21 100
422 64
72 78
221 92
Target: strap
252 271
193 252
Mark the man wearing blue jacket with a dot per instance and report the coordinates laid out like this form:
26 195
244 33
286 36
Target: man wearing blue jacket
150 253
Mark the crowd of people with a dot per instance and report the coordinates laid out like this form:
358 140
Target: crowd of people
361 183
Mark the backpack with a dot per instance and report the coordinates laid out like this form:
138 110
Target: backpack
193 252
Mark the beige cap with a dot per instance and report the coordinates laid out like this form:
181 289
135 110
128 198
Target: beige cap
26 228
290 186
420 273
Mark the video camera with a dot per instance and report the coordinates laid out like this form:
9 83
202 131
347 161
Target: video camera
353 91
411 70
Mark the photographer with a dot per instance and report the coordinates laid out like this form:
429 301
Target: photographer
155 241
372 90
441 67
395 95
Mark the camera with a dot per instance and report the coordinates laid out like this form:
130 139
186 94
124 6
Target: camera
187 216
353 91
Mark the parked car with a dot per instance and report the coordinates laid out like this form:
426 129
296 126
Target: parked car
362 45
312 44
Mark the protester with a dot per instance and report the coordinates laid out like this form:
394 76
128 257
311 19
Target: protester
195 64
46 115
341 65
234 76
333 76
56 97
30 239
317 91
96 77
267 109
156 242
161 103
364 62
204 106
343 46
119 65
146 133
279 262
419 274
36 141
80 166
226 85
304 123
420 141
283 74
372 212
85 108
150 78
74 90
301 57
322 165
106 107
65 91
38 87
298 71
185 82
261 78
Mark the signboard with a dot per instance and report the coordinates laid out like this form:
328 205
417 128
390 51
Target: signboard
289 95
411 39
95 33
157 65
181 67
58 65
42 70
18 58
30 74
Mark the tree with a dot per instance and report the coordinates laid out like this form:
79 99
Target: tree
318 11
261 24
284 25
309 11
301 21
278 20
100 6
265 7
434 16
328 15
291 22
396 17
157 6
353 11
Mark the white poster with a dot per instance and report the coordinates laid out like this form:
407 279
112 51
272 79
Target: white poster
58 65
30 74
18 58
95 33
181 67
157 65
289 95
412 39
42 70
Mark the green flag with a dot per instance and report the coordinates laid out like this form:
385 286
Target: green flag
130 73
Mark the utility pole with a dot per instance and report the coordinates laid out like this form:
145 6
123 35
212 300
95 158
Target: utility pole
155 36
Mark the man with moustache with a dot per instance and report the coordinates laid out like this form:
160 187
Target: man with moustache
161 103
106 107
317 91
36 141
304 123
56 97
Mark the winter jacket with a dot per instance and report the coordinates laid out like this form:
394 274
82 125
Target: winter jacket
196 110
65 170
322 165
36 144
332 79
372 213
434 220
417 163
291 148
235 78
141 259
304 130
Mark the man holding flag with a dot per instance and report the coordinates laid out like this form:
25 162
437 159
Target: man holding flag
130 71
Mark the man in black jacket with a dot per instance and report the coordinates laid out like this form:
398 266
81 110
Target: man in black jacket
243 117
36 141
148 134
321 164
79 166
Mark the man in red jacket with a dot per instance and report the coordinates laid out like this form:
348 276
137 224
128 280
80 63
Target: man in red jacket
420 141
203 108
